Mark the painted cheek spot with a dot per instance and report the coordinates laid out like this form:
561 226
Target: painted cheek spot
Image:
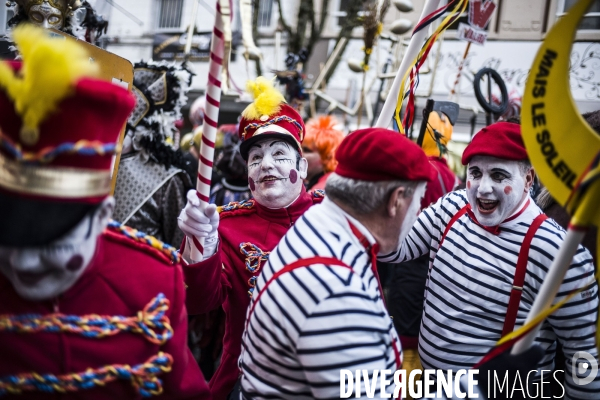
75 263
251 184
468 184
293 176
507 190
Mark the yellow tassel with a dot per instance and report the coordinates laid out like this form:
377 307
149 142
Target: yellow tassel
50 68
267 99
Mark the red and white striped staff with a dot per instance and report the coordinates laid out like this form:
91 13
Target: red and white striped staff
211 116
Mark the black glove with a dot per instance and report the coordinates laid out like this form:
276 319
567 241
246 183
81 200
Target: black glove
506 364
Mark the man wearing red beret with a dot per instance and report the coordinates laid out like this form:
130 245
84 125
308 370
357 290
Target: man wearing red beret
85 311
490 247
241 235
318 306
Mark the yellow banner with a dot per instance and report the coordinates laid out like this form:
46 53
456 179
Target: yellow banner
560 144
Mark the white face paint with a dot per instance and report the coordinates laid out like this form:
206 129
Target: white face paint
412 213
273 177
495 188
43 273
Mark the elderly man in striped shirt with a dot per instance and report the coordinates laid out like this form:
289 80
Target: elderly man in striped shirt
318 307
490 247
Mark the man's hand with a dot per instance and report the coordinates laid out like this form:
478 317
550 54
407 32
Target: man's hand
506 364
198 223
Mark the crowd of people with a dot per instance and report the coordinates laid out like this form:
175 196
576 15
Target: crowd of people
101 294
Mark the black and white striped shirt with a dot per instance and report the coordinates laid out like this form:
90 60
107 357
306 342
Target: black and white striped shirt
312 322
470 278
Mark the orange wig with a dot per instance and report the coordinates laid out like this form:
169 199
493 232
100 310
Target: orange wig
323 138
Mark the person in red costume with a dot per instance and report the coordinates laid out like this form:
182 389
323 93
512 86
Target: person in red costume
86 311
319 146
240 236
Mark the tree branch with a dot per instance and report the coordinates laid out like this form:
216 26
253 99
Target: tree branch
284 25
351 21
255 8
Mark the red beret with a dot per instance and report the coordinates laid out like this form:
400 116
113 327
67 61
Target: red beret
500 140
378 154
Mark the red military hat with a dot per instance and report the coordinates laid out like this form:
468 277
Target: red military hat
269 117
379 154
54 173
500 140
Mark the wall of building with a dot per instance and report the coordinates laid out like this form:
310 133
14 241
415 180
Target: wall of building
515 31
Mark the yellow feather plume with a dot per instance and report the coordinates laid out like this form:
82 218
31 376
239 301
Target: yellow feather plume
267 99
50 68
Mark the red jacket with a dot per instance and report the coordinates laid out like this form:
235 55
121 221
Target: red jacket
122 278
444 182
320 184
224 278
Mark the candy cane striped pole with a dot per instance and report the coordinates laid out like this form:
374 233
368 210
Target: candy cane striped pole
459 73
211 116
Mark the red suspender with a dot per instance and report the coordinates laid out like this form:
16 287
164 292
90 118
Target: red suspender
521 269
306 262
456 216
303 262
517 287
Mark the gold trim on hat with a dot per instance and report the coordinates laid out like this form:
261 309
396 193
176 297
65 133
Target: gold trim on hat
272 129
58 182
277 129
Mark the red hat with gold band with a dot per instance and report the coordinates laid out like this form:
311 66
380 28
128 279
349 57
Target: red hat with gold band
269 117
58 135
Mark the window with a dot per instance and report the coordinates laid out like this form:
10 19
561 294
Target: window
265 13
169 14
591 20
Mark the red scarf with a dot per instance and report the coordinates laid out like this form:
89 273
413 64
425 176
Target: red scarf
495 230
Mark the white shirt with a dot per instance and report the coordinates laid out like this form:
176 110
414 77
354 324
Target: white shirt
469 284
312 322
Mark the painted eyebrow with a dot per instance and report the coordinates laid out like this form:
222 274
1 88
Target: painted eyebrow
280 141
505 172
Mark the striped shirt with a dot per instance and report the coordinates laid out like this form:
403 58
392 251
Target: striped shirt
469 284
312 322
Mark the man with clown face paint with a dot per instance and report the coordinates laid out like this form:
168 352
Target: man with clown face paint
497 187
240 235
85 303
490 247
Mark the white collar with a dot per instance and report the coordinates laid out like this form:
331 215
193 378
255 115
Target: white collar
343 217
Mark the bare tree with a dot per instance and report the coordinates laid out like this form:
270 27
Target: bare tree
351 21
255 8
308 31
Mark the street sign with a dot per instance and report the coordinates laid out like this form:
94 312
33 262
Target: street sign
468 33
480 13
